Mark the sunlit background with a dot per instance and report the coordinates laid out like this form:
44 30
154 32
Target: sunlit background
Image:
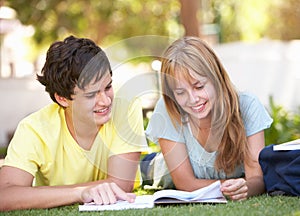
257 40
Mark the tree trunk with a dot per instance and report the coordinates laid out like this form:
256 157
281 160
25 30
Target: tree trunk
188 14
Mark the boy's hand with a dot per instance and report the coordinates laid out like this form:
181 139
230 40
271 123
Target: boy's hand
106 193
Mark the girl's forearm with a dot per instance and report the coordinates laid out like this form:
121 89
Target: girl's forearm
255 185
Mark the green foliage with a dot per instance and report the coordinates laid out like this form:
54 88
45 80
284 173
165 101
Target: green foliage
285 127
238 20
108 22
103 21
252 20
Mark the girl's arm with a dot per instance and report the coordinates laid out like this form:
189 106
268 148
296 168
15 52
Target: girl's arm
253 184
178 163
177 160
254 175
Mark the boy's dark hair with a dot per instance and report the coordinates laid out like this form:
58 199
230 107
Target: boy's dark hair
73 61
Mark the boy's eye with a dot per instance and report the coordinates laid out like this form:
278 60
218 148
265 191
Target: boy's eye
90 95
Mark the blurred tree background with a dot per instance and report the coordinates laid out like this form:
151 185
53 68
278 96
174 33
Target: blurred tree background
107 21
103 21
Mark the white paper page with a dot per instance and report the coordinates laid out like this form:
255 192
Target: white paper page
292 145
141 202
210 192
180 195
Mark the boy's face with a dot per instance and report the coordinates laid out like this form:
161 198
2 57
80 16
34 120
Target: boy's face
93 104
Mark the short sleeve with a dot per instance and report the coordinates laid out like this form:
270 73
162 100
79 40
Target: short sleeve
254 114
23 151
161 126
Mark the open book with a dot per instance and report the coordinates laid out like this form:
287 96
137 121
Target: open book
209 194
292 145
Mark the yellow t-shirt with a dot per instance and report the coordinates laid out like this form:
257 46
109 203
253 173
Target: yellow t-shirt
43 146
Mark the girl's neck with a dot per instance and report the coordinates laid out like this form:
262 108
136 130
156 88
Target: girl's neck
202 132
201 124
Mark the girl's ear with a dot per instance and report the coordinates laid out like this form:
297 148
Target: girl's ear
61 100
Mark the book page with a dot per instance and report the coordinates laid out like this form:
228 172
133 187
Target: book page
292 145
145 201
211 193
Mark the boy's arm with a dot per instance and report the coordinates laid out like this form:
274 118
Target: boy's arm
122 169
16 191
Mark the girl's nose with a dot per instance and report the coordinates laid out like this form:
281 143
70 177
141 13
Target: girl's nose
193 97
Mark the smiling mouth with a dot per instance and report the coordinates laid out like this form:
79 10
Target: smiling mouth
199 107
102 110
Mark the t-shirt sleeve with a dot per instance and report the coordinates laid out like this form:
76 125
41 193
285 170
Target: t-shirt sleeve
128 129
161 126
22 154
254 114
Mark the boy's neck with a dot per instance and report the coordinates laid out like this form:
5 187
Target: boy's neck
81 133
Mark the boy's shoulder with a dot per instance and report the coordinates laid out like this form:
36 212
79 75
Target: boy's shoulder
47 114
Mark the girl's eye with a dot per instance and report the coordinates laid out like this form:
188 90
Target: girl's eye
199 87
108 87
179 92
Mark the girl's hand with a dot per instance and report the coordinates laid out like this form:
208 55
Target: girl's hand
106 193
235 189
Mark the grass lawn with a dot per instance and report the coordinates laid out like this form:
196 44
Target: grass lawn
263 205
2 152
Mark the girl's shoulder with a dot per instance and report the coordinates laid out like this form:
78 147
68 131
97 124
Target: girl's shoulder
247 97
254 113
249 101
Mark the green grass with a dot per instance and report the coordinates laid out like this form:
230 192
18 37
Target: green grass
3 152
263 205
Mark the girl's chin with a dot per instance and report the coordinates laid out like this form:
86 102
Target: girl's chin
199 115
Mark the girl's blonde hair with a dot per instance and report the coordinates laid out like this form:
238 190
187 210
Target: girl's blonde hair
192 54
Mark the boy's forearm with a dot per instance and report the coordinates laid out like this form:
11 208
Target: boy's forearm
20 197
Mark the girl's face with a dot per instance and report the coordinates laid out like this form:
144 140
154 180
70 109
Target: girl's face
195 94
92 106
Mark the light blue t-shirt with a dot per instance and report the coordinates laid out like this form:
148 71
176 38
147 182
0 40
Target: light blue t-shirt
255 117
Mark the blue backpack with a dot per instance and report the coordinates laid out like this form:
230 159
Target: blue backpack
281 171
